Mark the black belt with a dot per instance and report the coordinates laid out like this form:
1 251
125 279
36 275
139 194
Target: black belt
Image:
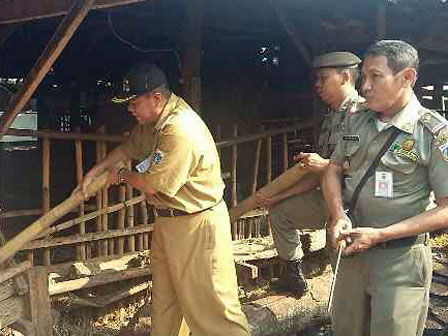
404 242
170 212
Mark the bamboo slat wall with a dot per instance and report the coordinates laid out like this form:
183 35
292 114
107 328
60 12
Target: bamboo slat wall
119 221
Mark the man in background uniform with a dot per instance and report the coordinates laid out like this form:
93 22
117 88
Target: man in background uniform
302 206
385 290
194 271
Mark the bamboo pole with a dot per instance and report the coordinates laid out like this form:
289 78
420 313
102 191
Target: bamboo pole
130 213
81 249
55 46
99 204
14 271
285 151
234 200
33 230
121 218
91 215
256 164
46 152
87 237
282 182
104 205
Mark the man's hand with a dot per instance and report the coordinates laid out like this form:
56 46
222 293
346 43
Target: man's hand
361 239
84 184
341 224
264 201
312 162
114 176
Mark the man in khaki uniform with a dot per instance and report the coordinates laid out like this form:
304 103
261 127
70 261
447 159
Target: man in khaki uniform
385 290
302 206
194 271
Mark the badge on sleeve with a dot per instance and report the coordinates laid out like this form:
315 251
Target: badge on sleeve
158 156
408 144
444 150
384 184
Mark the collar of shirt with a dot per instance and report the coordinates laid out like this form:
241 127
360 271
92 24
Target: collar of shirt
167 112
407 118
347 101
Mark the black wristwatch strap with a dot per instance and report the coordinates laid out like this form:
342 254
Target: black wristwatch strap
393 135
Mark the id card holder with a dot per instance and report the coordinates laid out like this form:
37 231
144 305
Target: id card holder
384 184
143 166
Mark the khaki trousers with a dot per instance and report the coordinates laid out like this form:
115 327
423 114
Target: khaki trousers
304 211
383 292
194 276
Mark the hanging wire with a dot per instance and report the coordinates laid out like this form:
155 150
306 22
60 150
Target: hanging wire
133 46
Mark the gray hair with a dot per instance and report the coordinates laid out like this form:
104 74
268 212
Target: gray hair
399 54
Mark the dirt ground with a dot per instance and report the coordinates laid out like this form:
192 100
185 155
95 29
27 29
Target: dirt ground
132 316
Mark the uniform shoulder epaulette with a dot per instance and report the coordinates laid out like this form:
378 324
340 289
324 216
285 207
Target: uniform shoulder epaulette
358 105
433 121
437 126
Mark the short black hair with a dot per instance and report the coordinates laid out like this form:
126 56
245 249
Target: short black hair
399 54
352 71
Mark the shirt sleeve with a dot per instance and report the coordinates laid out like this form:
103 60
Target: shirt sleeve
173 160
137 145
438 169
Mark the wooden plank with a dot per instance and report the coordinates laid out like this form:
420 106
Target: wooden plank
12 310
101 265
40 303
20 11
11 272
60 39
246 270
6 290
46 154
97 280
88 237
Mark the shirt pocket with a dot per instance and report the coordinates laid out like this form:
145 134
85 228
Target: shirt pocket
400 162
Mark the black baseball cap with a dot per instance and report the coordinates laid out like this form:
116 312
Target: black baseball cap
141 78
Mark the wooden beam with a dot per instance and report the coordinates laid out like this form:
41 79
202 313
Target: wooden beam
291 31
97 280
60 39
40 303
20 11
16 270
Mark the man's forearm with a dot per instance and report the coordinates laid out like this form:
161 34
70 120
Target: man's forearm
114 156
307 183
428 221
331 187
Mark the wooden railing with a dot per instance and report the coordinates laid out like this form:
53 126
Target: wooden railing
122 221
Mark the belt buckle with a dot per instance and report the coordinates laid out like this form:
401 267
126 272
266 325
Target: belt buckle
171 212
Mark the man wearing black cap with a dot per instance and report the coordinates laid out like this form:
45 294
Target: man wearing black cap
179 171
302 206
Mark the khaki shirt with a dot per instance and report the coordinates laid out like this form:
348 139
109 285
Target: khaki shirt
333 124
184 163
417 160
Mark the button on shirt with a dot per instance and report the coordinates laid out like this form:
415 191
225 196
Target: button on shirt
333 124
184 163
416 163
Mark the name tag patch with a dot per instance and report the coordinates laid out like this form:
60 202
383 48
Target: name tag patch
351 137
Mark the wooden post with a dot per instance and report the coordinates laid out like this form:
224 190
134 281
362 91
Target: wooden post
130 213
191 53
256 164
105 204
46 189
144 221
81 249
268 174
381 20
285 151
40 303
99 204
234 200
61 37
121 218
